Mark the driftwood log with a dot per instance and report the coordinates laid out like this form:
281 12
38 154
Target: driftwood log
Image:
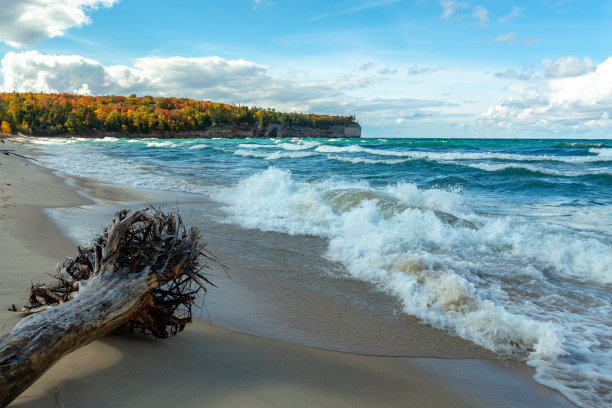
143 272
12 153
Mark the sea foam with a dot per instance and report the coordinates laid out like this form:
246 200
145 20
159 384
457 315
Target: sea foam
274 155
533 286
496 281
450 156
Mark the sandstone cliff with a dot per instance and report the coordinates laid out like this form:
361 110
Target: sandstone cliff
245 131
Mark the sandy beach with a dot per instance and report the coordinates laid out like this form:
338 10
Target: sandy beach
212 366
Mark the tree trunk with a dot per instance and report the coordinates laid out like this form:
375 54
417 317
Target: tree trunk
142 271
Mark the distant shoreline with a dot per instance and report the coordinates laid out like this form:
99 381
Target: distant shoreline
352 131
40 114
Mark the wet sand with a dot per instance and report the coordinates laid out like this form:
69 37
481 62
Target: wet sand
208 365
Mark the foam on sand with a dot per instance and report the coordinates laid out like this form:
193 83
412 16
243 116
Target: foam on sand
496 281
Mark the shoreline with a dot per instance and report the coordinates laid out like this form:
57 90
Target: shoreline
225 131
207 363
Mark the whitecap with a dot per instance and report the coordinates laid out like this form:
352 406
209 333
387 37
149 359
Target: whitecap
458 156
492 280
161 144
274 155
535 169
602 152
361 160
199 146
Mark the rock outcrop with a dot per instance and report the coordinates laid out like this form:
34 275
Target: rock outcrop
242 132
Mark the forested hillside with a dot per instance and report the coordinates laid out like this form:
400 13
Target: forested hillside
60 114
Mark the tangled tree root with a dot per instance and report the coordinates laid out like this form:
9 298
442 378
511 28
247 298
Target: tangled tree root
143 272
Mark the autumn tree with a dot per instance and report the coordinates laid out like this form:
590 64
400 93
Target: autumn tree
6 128
57 114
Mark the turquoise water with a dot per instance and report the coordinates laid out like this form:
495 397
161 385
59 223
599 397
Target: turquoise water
506 243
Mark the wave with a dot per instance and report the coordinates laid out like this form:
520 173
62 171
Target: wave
604 152
274 155
491 280
454 156
577 145
506 283
52 141
360 160
107 139
77 159
300 145
199 146
534 169
161 144
559 248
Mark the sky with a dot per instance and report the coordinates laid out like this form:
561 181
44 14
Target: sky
404 68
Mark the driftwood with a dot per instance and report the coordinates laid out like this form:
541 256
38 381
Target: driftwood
12 152
143 272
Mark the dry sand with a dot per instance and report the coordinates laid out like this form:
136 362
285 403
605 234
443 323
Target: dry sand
207 365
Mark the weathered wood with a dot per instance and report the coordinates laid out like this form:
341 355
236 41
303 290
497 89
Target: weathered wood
143 271
12 152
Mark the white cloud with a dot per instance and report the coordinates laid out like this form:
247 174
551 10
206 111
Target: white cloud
481 14
511 38
530 41
207 78
567 67
565 101
449 7
508 38
452 8
420 71
513 74
514 13
26 22
603 122
31 71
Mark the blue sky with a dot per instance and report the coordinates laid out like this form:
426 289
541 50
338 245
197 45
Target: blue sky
419 68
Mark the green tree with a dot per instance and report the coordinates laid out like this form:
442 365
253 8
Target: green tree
113 122
74 124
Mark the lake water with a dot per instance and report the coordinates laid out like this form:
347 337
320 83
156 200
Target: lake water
506 244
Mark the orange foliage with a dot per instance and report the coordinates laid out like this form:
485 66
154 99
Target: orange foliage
52 114
6 128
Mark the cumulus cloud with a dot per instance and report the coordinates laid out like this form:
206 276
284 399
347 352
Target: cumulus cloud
566 100
26 22
212 78
567 67
207 78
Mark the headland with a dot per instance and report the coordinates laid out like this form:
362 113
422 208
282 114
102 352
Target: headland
40 114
